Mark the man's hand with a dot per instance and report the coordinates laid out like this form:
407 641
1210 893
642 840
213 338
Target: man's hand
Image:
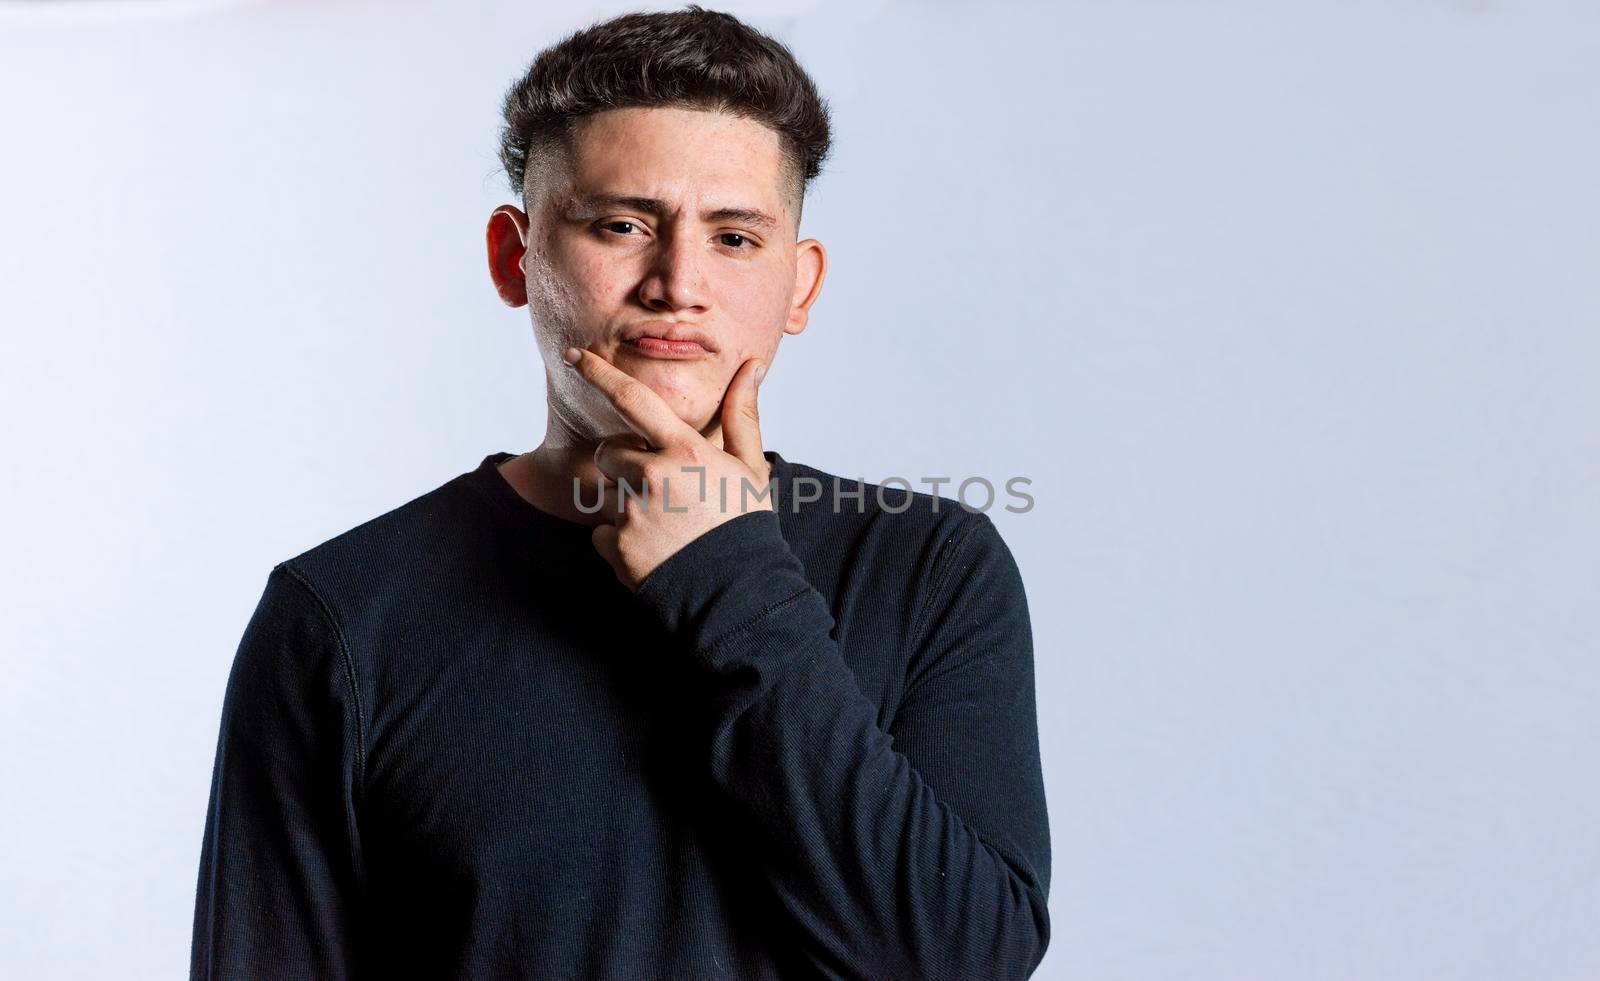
680 484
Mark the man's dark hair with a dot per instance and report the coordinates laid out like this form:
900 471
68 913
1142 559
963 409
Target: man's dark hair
691 59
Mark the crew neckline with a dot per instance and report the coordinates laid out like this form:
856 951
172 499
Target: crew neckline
488 477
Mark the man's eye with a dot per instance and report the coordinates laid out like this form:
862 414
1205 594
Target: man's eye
735 235
613 224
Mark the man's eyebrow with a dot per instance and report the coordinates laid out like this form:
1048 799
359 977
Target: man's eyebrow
584 205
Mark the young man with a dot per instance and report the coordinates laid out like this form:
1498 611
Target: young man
765 733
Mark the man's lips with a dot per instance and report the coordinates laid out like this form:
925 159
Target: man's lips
668 340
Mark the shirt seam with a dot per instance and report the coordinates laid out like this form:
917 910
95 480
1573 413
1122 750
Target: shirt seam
749 624
943 569
349 677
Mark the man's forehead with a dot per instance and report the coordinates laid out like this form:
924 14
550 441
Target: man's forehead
672 126
671 153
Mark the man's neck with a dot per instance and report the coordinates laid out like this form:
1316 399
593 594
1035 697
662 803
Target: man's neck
544 478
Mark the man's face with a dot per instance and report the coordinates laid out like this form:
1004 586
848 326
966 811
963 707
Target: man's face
663 221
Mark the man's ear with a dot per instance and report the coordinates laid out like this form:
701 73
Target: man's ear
810 266
507 237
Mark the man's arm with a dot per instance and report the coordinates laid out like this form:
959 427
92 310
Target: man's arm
928 858
280 862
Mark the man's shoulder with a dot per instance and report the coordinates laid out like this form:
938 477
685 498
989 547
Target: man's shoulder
886 528
894 504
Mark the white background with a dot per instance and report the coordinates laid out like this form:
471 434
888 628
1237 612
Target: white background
1289 310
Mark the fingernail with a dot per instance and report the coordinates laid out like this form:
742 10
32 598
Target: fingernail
571 355
761 372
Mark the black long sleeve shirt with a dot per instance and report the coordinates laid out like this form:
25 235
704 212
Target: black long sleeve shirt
453 745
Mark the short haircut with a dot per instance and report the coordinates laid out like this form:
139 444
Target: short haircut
690 59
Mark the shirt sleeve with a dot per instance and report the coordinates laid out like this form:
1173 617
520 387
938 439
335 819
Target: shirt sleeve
923 851
280 861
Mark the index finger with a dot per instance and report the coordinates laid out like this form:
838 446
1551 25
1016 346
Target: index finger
637 403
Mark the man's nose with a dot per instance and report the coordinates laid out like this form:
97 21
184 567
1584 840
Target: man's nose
675 279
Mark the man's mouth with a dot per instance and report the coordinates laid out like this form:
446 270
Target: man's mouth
655 347
669 341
